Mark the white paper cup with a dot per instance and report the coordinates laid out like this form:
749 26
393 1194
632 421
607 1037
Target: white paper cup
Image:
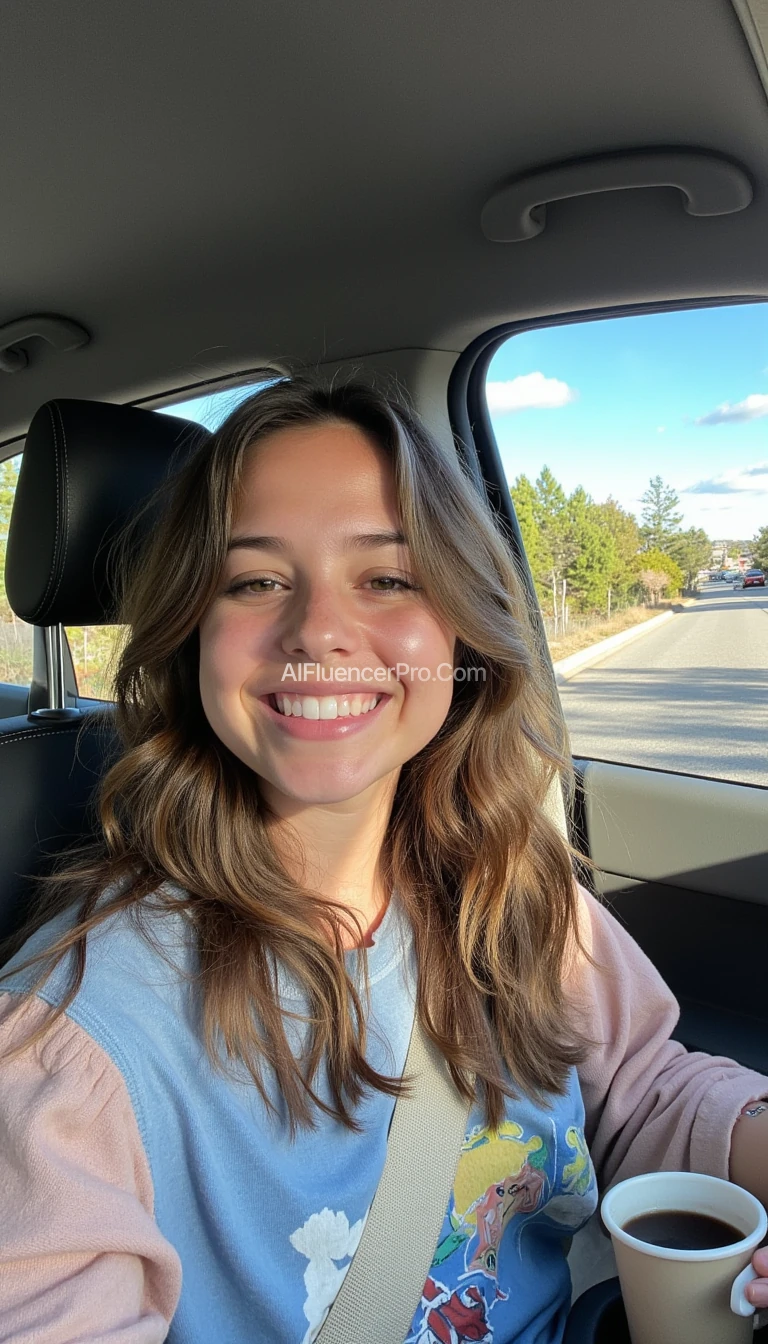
685 1297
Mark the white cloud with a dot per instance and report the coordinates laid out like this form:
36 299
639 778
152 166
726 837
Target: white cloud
752 407
527 392
661 429
739 480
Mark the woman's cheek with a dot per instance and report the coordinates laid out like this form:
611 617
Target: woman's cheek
229 648
418 642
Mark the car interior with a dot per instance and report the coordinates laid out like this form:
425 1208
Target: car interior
200 197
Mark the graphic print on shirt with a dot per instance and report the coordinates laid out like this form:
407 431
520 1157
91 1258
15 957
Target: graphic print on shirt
324 1238
498 1175
504 1180
578 1183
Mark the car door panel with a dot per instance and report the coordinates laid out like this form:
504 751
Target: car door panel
683 863
13 700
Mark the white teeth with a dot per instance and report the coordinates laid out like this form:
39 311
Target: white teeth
326 706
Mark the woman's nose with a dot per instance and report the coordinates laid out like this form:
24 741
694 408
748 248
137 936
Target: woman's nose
320 623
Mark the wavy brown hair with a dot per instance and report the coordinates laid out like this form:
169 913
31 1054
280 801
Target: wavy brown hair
484 876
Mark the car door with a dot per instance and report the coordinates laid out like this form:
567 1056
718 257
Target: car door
669 716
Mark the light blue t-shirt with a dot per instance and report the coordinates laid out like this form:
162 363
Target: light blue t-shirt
266 1225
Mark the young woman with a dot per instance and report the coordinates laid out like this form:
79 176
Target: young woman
330 813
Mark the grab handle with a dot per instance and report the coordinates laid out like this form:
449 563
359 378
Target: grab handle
710 185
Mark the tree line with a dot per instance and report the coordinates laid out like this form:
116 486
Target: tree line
598 557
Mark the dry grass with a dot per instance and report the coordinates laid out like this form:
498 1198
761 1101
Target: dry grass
564 646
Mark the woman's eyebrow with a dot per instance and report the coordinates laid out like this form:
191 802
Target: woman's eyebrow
367 540
362 542
257 543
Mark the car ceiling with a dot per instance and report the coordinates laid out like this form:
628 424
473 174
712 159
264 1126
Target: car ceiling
208 187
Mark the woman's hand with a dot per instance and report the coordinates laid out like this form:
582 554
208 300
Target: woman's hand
749 1167
757 1291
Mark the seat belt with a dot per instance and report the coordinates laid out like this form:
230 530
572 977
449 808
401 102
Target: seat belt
384 1283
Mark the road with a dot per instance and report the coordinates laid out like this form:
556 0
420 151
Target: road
691 695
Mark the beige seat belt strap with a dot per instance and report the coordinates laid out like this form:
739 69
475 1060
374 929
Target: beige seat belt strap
383 1285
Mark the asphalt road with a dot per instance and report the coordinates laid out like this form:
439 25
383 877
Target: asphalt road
691 695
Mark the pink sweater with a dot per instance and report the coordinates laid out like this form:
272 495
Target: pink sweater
81 1257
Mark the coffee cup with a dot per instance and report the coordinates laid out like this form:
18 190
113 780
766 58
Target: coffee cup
691 1289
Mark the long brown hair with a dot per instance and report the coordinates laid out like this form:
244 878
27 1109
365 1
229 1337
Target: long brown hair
485 878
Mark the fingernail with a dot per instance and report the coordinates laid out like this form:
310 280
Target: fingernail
757 1294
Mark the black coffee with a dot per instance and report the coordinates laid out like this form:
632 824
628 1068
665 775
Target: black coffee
680 1231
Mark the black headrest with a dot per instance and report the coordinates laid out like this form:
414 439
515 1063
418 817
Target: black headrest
86 468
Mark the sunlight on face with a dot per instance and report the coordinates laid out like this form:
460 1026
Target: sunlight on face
315 609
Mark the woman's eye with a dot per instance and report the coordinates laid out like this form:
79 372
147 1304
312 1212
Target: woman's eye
260 585
390 583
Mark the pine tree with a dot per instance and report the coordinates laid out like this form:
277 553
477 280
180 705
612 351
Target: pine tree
589 573
692 550
523 495
626 543
661 521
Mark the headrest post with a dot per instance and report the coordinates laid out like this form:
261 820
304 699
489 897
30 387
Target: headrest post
54 657
54 664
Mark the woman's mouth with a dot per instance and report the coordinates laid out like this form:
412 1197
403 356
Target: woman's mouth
323 706
323 717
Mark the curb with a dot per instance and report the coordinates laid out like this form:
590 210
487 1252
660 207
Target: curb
568 667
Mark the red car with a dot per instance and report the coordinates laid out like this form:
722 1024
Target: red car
754 578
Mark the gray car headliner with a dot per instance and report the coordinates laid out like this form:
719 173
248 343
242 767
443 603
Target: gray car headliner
209 187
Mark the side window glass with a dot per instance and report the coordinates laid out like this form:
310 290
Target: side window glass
213 408
94 649
636 452
15 635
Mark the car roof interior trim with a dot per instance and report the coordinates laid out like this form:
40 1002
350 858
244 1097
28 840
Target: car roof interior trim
753 17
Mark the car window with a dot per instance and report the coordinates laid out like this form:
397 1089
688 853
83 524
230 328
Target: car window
15 635
636 452
94 648
213 408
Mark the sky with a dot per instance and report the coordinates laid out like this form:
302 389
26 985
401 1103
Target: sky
607 405
212 409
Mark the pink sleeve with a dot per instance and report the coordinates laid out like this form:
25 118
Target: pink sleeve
650 1104
81 1257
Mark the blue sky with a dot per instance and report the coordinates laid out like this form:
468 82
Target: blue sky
609 404
212 409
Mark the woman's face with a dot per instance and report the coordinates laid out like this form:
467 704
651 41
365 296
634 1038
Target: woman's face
321 665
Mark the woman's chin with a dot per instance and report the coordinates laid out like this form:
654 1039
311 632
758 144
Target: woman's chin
325 790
